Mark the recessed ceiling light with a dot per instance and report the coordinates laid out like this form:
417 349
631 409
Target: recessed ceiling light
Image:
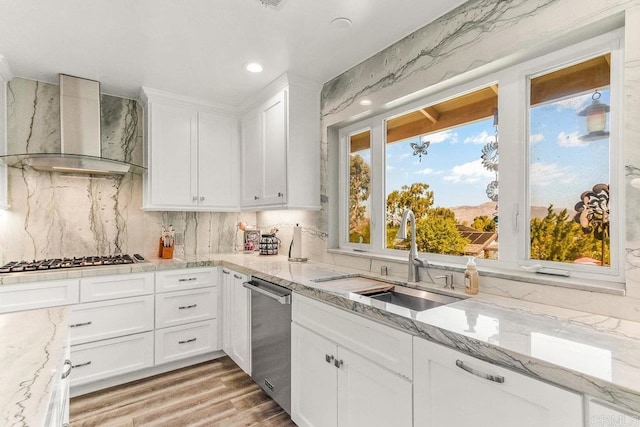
340 23
365 102
254 67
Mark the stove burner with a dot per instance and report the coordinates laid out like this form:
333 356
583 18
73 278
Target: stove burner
56 263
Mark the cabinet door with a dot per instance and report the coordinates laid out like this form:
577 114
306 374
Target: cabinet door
240 348
445 394
172 142
314 379
274 128
216 160
370 395
251 159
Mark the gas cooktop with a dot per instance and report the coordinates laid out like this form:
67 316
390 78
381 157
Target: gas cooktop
57 263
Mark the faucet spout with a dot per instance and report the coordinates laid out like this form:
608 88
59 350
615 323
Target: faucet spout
414 262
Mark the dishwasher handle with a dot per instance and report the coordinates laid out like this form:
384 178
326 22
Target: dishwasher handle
282 299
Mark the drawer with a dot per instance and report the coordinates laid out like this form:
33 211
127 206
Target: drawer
184 341
109 319
30 296
379 343
111 287
108 358
178 308
188 278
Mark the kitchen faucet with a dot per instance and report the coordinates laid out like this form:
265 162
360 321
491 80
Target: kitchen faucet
414 262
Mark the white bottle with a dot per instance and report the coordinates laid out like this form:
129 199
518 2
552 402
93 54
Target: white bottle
471 277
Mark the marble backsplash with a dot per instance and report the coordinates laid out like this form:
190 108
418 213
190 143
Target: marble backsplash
55 215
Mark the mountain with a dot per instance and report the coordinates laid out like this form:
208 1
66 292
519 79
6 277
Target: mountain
466 214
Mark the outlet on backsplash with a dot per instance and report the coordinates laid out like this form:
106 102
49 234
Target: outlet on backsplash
179 238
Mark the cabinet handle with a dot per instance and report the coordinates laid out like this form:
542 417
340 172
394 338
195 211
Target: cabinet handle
75 325
328 358
226 271
186 341
237 276
184 307
202 198
280 194
338 363
67 368
256 198
80 365
194 198
495 378
190 279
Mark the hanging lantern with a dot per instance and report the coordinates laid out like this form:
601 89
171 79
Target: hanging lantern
596 114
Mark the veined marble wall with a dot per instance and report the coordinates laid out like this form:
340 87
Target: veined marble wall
463 44
55 215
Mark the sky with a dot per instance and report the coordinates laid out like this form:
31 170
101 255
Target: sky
562 166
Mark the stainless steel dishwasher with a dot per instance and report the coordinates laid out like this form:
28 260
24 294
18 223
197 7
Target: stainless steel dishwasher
271 339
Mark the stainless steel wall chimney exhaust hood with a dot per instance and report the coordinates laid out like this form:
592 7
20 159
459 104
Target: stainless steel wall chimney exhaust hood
81 144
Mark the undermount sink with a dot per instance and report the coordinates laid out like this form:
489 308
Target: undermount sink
412 299
386 291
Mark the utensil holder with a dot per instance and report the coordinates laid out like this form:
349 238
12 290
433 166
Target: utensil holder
165 252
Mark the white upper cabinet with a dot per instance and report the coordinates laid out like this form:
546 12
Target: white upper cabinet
191 152
280 139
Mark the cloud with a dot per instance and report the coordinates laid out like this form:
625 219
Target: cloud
437 138
425 171
546 174
482 138
469 173
535 138
571 140
575 103
390 168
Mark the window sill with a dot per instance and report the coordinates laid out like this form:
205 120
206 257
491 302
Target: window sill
581 284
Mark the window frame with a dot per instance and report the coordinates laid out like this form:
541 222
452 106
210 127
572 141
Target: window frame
513 104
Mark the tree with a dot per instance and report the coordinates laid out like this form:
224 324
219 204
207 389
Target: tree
359 185
484 223
416 197
436 228
556 237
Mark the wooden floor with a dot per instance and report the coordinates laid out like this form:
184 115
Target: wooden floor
216 393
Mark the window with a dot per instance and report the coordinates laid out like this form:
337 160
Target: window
551 201
441 162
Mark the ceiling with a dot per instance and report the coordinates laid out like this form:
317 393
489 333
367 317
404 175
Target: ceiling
198 48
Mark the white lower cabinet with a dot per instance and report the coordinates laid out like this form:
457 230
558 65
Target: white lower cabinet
332 384
186 314
108 358
236 318
109 319
453 389
605 415
179 342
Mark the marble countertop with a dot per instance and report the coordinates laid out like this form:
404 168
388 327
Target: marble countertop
33 347
592 354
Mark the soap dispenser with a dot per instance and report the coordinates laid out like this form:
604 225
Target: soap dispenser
471 277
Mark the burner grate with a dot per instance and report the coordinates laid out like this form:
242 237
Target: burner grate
58 263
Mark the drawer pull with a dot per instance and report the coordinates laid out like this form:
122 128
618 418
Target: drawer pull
186 341
184 307
80 365
328 358
495 378
225 271
338 363
67 368
75 325
190 279
237 276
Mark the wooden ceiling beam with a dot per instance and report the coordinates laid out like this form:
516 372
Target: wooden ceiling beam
430 113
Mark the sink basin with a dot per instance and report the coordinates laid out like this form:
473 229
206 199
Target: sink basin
352 283
412 299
